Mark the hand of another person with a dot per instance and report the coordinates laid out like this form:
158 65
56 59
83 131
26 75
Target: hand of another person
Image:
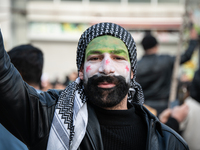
180 112
164 116
193 34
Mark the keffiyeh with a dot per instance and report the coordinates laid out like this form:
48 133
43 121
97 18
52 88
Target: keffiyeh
70 117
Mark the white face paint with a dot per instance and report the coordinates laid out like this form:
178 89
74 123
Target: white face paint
106 55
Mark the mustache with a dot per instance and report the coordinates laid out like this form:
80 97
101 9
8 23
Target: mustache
106 97
110 79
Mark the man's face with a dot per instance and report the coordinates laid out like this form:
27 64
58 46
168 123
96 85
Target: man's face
106 71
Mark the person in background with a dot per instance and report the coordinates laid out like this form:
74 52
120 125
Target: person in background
45 82
29 62
195 86
58 85
190 125
172 117
71 77
154 71
187 114
102 109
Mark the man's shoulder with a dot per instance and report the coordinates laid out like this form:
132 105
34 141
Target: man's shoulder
51 96
164 134
46 98
173 137
155 58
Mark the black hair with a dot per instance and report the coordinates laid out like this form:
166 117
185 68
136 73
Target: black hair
29 62
149 41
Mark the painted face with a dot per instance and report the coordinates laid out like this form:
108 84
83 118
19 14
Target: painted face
106 72
107 55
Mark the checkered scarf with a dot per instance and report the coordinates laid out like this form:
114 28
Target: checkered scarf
70 118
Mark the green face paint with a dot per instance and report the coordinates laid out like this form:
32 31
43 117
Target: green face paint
107 55
107 44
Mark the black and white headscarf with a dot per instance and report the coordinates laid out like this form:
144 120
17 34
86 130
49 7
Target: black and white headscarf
70 117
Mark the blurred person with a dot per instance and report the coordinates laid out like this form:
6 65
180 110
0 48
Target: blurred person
173 120
29 62
187 115
58 85
195 86
102 109
71 77
45 82
66 82
172 117
154 71
184 119
190 125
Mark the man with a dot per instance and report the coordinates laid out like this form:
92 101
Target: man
187 114
102 109
190 125
29 62
154 71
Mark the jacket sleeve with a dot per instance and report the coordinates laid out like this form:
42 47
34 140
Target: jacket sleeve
173 123
23 111
188 53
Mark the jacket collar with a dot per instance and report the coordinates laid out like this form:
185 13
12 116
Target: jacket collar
93 129
147 115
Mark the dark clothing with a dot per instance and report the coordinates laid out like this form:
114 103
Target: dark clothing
195 86
159 136
154 74
9 142
28 115
173 123
119 128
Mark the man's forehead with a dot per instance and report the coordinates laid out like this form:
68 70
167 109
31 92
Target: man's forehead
106 42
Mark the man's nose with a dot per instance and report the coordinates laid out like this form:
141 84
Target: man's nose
106 66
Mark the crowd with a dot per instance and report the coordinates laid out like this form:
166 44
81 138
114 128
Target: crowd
154 74
101 105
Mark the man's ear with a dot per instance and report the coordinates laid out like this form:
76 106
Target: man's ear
132 74
80 74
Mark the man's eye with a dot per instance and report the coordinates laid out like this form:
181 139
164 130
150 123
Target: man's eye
119 58
94 58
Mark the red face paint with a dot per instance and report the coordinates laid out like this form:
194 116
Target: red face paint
127 68
88 68
107 61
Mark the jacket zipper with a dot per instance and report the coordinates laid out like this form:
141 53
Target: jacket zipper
150 127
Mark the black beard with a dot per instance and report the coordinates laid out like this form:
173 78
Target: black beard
102 97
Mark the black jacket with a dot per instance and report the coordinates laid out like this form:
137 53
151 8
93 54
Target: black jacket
28 115
195 86
160 136
154 73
